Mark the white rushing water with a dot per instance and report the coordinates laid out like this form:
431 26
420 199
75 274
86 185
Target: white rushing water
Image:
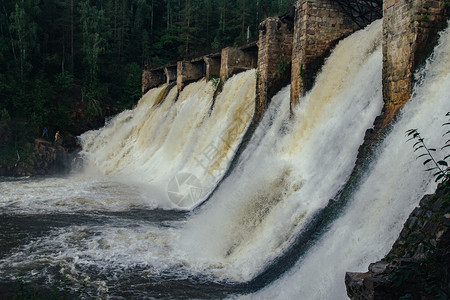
131 163
285 179
163 144
289 171
172 150
390 190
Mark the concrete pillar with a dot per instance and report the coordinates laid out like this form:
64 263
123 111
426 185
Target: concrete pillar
145 81
318 26
212 66
171 73
274 61
409 34
235 60
188 72
152 79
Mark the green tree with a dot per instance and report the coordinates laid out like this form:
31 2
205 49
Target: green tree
23 33
56 36
94 33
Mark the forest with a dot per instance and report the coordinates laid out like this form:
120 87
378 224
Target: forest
54 52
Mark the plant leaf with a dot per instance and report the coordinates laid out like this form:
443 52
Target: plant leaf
430 169
421 155
446 146
431 149
439 177
447 156
422 146
442 163
416 144
437 173
427 161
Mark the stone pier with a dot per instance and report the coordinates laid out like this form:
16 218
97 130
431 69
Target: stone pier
274 61
226 63
152 78
188 72
171 73
212 65
409 35
318 26
236 60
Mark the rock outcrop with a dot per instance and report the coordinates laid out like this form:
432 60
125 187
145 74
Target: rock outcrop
418 265
41 158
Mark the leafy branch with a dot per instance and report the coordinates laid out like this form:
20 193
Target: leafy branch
441 168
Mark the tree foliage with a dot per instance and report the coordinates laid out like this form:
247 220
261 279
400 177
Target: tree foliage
101 46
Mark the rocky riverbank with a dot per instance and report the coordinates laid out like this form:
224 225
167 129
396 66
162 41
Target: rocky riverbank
41 158
418 265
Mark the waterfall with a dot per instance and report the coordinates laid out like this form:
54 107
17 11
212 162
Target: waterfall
130 225
179 145
390 189
291 172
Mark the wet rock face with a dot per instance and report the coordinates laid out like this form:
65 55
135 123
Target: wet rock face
418 265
